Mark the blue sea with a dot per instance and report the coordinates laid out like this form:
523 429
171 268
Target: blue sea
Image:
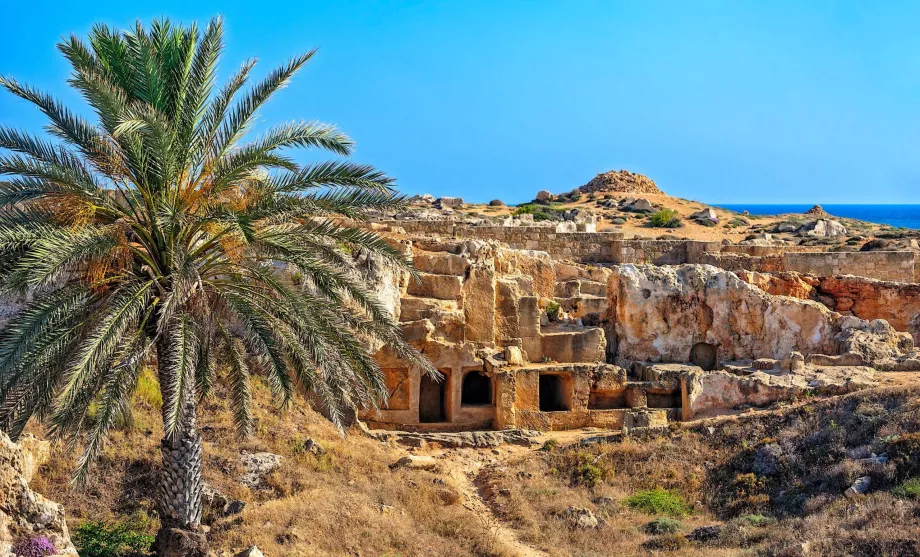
901 216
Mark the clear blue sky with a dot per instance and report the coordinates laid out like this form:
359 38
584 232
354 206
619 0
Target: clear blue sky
780 101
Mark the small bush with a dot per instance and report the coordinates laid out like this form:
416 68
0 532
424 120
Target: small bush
39 546
662 526
658 501
757 520
552 311
101 539
909 489
540 212
549 445
589 475
665 218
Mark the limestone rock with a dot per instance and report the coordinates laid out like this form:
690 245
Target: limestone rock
580 518
251 552
640 206
859 487
660 313
449 202
544 195
706 214
496 203
25 514
823 228
416 462
257 466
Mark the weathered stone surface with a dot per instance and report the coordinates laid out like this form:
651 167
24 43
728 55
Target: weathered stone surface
257 466
496 203
580 518
442 287
449 202
823 228
25 514
707 214
544 195
640 205
660 313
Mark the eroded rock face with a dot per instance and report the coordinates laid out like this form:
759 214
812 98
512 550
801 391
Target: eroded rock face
24 514
660 313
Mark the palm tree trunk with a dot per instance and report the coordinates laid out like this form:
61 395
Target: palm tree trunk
179 496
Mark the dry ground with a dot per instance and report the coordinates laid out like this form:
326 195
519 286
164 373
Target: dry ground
795 509
510 501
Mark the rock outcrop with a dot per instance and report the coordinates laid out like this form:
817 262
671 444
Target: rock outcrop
620 182
660 314
25 515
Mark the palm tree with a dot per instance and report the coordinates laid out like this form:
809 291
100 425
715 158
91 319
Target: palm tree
157 229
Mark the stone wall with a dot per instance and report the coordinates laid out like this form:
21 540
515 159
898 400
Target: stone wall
896 266
613 248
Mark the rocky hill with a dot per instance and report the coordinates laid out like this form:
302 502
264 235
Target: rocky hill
623 181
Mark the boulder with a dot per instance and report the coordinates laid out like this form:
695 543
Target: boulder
251 552
707 214
449 202
823 228
859 487
416 462
24 514
257 466
640 205
544 195
618 220
580 518
496 203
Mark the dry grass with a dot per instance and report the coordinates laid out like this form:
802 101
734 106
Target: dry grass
344 502
715 468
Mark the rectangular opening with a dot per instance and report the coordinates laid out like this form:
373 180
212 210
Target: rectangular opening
431 400
607 400
663 400
476 389
554 393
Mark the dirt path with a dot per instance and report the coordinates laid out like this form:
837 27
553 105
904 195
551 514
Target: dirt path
464 468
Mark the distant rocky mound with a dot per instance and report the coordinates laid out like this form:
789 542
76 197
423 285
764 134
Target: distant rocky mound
816 210
623 181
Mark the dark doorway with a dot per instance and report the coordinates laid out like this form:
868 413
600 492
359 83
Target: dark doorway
476 390
704 355
663 400
431 400
552 394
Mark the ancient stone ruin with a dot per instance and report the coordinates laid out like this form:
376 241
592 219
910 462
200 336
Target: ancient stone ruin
535 340
623 181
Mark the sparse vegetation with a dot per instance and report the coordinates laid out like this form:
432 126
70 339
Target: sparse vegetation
665 218
662 526
658 501
539 211
101 539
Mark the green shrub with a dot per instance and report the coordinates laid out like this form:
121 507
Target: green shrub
662 526
552 311
539 211
549 445
101 539
589 475
665 218
757 520
909 489
658 501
